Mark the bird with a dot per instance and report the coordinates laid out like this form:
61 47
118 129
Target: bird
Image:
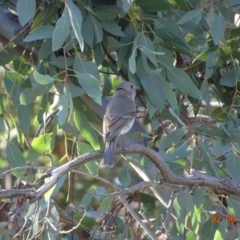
118 119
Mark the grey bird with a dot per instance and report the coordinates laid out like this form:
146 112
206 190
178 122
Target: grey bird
118 119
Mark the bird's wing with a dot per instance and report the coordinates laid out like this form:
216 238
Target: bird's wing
116 123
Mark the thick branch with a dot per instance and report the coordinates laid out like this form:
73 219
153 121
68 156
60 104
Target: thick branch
196 178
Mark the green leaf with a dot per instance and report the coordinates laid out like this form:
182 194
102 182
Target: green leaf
192 15
63 106
148 48
235 32
113 28
172 35
98 33
126 5
24 117
26 10
88 31
107 202
6 56
90 85
43 79
74 90
40 145
113 44
61 62
124 177
62 31
88 76
86 130
183 82
219 114
27 96
14 156
106 12
86 222
91 166
3 98
39 89
42 32
11 79
153 5
218 28
208 161
233 166
230 78
153 87
132 61
171 139
2 125
147 68
209 130
75 16
170 95
208 229
52 192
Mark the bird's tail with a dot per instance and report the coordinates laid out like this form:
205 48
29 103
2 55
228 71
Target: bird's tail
109 154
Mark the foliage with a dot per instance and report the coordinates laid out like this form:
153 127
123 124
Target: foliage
182 56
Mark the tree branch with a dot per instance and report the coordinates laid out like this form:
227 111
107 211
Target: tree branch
226 185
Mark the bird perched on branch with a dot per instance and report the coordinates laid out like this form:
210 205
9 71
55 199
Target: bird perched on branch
118 119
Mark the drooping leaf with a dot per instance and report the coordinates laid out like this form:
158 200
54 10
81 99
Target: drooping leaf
62 31
113 28
14 156
85 129
124 177
91 166
218 28
75 16
113 44
26 10
107 202
63 106
42 32
230 78
192 15
107 13
183 82
40 145
88 76
153 87
27 96
171 139
233 164
98 33
88 31
154 6
43 79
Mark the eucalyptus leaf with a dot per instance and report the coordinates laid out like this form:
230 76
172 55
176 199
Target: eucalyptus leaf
113 28
218 28
62 31
63 106
75 16
183 82
14 156
26 10
194 14
113 44
42 32
27 96
153 5
43 79
85 129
